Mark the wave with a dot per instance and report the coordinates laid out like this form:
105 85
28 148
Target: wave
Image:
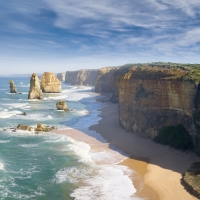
56 97
4 141
80 112
105 181
8 114
1 166
28 145
35 117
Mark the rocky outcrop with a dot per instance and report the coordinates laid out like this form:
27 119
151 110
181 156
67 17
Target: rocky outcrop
152 97
191 180
105 79
81 77
35 92
61 76
24 127
13 88
61 105
42 128
50 83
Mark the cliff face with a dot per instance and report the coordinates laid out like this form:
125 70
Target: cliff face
81 77
61 76
35 92
13 88
105 79
49 83
151 98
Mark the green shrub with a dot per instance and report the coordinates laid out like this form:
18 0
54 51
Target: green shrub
176 137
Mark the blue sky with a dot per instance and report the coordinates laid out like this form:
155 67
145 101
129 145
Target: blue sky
61 35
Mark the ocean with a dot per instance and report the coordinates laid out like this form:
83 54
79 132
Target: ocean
49 166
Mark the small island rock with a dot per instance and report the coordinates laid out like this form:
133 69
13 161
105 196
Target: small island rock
42 128
50 83
13 88
35 92
61 105
24 127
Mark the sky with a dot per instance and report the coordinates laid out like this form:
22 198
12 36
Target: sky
62 35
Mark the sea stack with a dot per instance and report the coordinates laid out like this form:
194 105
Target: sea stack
13 88
35 92
50 83
61 105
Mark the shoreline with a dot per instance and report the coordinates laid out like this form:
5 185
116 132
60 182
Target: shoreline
159 166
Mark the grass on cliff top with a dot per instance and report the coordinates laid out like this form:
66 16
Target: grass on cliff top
172 70
176 137
192 179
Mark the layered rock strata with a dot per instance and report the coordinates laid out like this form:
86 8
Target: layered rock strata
61 76
151 98
81 77
13 88
50 83
105 79
35 92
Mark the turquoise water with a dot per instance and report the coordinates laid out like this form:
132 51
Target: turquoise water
47 165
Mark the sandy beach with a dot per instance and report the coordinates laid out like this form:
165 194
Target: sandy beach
158 167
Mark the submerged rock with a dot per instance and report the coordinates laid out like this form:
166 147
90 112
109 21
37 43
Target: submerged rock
13 88
61 105
50 83
24 127
35 92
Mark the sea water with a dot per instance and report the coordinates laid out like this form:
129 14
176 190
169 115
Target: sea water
51 166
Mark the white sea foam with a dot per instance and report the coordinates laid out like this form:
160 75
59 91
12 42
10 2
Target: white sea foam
8 114
80 112
56 97
28 145
108 181
4 141
21 83
16 105
35 117
1 166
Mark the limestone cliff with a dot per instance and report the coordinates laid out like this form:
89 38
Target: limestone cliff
61 76
13 88
49 83
35 92
81 77
152 97
105 79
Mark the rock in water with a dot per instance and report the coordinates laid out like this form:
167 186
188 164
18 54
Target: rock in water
13 88
24 127
50 83
35 92
43 128
61 105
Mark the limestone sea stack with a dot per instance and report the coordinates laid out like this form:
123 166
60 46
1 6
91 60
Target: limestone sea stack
61 105
35 92
50 83
13 88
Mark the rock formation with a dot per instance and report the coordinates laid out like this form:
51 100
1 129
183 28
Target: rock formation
61 76
24 127
105 79
13 88
81 77
151 98
191 180
42 128
49 83
61 105
35 92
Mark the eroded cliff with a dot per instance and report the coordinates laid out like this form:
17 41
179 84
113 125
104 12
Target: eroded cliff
61 76
105 79
50 83
81 77
152 97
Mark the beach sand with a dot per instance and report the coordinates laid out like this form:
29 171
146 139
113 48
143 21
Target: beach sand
158 167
